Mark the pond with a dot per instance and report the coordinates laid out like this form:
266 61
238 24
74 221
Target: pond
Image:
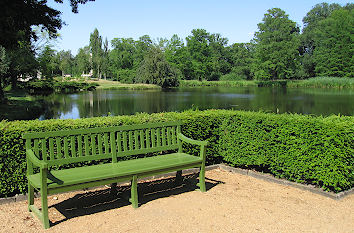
269 99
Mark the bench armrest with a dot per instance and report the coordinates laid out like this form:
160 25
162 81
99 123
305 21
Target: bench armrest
192 141
33 158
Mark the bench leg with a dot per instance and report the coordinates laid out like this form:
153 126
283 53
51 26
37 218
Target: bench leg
30 196
44 201
44 198
114 188
201 183
178 177
134 192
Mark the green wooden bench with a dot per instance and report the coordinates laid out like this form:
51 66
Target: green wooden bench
119 144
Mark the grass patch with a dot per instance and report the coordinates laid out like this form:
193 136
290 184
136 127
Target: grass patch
317 82
115 85
239 83
323 82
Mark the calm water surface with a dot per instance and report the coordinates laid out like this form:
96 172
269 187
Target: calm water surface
124 102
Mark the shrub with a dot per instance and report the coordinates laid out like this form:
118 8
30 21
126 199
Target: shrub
232 77
306 149
50 86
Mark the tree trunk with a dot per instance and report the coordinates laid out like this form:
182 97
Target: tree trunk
14 82
2 95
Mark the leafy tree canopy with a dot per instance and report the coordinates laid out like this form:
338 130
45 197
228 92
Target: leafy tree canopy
334 44
276 50
156 70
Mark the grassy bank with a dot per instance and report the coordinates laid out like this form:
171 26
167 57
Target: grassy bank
20 106
196 83
317 82
114 85
323 82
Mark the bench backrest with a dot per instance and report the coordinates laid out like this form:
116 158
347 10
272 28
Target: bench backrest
70 146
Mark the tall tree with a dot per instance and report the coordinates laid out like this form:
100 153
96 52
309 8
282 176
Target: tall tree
198 47
47 62
208 54
177 55
65 62
96 53
4 66
311 25
277 44
124 59
17 19
22 63
83 61
334 44
240 56
105 59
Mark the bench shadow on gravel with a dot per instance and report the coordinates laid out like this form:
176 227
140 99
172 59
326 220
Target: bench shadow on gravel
102 200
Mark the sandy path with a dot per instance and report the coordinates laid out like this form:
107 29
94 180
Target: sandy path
233 203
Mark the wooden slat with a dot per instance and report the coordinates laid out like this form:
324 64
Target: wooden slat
142 139
106 145
163 136
158 137
36 146
59 148
113 147
144 151
169 140
78 159
153 141
93 145
73 146
72 132
119 140
79 145
173 132
130 133
44 149
147 134
136 140
100 144
29 164
66 148
125 141
51 148
87 145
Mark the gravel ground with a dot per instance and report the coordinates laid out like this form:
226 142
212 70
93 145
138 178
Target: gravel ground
233 203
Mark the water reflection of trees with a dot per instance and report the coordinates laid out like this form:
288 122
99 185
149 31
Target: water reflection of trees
124 102
57 105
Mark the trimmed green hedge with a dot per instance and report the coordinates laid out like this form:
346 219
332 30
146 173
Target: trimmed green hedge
306 149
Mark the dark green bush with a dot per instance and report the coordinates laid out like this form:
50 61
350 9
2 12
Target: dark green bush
50 86
305 149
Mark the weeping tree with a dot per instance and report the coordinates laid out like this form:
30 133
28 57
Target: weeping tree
155 69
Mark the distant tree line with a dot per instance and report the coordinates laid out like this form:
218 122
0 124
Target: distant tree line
279 50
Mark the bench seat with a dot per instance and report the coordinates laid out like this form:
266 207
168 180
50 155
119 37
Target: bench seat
128 168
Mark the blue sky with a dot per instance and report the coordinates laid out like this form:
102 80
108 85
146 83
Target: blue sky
233 19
